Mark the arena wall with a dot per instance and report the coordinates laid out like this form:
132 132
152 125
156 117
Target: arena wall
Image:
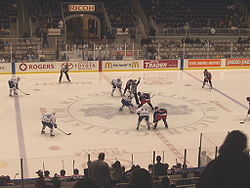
133 65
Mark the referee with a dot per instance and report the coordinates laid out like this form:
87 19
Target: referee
64 69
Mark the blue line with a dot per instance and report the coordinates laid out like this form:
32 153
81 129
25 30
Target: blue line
20 136
220 92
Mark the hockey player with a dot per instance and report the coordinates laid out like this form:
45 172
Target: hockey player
248 100
160 114
49 120
134 86
128 86
116 83
142 114
126 101
64 69
13 85
207 78
145 98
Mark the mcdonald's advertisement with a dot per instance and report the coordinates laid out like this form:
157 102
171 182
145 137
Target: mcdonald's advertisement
122 65
160 64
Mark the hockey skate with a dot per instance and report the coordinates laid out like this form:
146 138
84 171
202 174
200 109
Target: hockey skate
52 135
42 132
166 125
137 128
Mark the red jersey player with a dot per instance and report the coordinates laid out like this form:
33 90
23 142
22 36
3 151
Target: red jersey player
207 78
160 114
145 98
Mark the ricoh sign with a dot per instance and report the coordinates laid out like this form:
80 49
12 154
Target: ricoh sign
82 8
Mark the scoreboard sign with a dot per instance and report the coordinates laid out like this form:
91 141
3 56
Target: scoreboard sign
82 8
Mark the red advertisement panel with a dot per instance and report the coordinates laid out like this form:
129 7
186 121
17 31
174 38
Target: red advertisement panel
237 62
204 63
160 64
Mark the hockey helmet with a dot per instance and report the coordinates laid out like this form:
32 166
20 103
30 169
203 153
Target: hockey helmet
248 99
118 79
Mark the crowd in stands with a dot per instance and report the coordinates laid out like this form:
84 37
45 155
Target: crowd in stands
7 8
105 176
230 169
194 13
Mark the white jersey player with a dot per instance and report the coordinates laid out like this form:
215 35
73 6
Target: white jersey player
13 85
116 83
143 113
126 101
49 120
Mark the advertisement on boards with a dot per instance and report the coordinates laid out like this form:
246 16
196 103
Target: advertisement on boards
121 65
46 67
5 68
237 62
197 63
160 64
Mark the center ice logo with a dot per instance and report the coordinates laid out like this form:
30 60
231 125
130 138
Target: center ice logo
108 111
101 112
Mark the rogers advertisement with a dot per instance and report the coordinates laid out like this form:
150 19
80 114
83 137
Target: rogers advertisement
45 67
35 67
237 62
204 63
160 64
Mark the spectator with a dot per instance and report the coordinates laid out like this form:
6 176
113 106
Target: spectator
62 177
5 181
47 177
40 182
56 181
116 172
165 182
86 170
60 24
76 175
160 169
231 168
141 178
86 183
150 169
42 57
99 170
2 60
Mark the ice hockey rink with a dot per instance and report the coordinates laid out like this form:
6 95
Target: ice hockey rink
85 108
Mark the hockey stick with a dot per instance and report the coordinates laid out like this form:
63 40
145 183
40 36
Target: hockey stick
244 119
63 131
23 92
